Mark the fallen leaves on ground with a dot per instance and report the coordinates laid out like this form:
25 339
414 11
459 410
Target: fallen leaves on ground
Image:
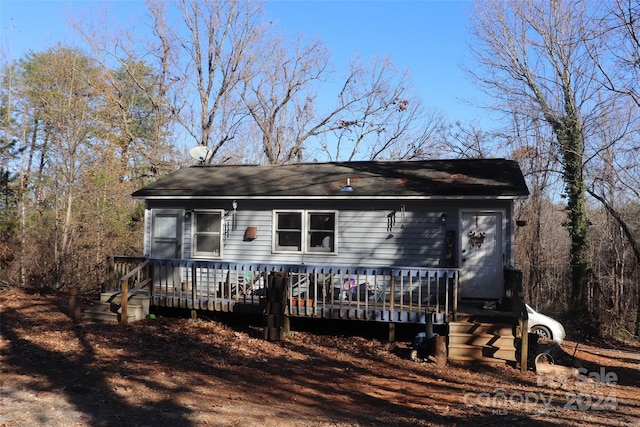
181 372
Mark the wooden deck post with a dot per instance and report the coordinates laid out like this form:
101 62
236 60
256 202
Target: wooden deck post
524 346
194 288
124 318
286 326
75 305
275 320
392 297
455 300
440 350
513 290
392 332
111 274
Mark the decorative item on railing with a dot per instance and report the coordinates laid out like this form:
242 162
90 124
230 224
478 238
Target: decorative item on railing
477 238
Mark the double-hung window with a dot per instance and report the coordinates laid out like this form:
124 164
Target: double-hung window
305 231
207 234
288 230
321 231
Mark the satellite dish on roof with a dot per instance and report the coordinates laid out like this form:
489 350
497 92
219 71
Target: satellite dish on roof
200 153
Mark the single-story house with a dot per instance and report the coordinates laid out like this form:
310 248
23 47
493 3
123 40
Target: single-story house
388 241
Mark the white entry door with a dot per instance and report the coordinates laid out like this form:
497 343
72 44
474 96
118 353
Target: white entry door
481 255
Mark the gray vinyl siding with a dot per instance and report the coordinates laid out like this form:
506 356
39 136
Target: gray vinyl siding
363 237
147 232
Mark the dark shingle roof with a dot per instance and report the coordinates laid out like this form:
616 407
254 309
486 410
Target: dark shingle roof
489 178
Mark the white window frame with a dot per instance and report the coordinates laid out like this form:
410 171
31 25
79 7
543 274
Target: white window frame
194 234
305 232
332 248
275 248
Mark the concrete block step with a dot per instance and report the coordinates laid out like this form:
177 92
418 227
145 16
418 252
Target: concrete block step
105 307
111 311
141 298
482 339
108 316
481 328
481 352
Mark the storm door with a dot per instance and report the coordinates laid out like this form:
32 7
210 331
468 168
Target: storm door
166 243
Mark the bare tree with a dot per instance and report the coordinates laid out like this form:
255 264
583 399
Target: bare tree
215 41
469 141
618 47
532 58
280 96
372 114
416 134
378 116
618 59
541 244
615 184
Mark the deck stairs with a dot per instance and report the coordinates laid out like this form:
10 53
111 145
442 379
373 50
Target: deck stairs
482 340
109 307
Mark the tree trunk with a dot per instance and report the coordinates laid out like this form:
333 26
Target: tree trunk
64 245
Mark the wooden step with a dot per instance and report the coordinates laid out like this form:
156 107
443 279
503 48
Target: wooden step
457 351
505 318
482 339
481 342
501 329
475 361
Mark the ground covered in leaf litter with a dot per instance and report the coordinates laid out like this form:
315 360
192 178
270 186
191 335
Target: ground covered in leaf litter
180 372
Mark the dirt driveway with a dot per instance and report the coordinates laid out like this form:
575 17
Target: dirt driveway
181 372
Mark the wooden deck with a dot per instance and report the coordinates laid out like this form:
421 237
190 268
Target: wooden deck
477 333
384 294
348 310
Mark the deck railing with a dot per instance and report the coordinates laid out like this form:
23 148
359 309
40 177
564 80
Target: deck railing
392 294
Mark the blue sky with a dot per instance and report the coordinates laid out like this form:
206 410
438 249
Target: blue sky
427 37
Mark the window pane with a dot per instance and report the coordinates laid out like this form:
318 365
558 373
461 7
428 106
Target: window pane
207 234
322 221
321 240
207 244
164 249
321 232
290 221
165 227
291 239
207 222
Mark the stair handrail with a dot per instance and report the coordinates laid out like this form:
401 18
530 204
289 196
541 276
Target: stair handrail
124 289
